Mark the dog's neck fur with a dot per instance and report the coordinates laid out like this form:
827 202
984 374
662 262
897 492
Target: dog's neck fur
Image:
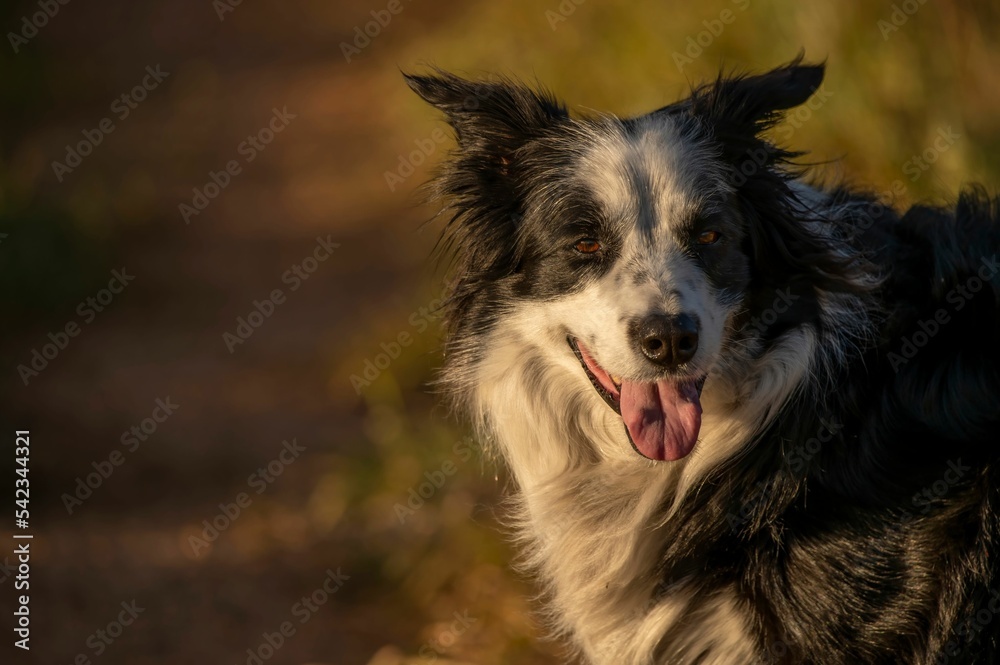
590 524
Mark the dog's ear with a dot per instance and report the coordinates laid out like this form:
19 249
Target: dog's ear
734 112
742 106
493 122
492 119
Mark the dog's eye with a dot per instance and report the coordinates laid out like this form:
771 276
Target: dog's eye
587 245
708 237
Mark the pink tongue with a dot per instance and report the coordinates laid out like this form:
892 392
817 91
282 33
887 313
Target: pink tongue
663 418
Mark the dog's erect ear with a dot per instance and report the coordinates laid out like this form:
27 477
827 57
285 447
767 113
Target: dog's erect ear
489 117
747 105
736 110
493 120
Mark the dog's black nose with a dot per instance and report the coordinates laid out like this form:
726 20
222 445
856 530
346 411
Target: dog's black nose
668 340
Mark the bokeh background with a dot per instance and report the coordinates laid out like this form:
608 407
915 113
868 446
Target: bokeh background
433 584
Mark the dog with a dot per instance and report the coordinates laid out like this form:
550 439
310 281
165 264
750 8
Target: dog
750 418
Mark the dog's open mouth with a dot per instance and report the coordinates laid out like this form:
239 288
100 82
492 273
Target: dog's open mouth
662 418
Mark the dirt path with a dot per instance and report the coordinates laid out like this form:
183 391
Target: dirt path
316 183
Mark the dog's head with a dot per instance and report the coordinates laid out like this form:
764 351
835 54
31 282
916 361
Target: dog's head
636 245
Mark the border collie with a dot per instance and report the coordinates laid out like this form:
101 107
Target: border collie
750 419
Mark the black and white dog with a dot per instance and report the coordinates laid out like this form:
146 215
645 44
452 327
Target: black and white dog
750 420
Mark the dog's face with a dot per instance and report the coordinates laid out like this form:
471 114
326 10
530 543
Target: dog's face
641 244
634 245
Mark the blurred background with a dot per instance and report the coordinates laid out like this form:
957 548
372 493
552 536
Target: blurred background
273 480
